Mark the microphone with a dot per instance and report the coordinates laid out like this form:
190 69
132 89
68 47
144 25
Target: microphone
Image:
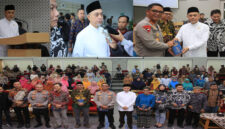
111 30
18 19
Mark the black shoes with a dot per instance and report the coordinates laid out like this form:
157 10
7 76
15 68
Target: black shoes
87 125
170 125
77 126
20 126
121 126
181 126
112 126
194 126
100 126
38 125
48 125
57 126
27 125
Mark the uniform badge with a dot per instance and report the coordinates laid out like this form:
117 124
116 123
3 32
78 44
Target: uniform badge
147 27
157 37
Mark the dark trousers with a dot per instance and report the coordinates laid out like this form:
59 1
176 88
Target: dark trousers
180 117
129 118
26 115
109 114
215 54
6 112
192 115
39 112
85 111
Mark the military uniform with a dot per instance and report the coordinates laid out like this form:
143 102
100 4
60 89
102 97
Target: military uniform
149 39
105 99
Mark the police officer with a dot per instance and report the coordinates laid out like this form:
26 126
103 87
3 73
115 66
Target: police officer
148 35
105 100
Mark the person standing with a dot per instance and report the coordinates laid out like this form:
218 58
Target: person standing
197 105
38 99
4 107
8 27
59 100
144 102
92 40
81 98
18 96
178 100
167 26
161 103
105 100
126 100
148 35
58 46
194 35
77 26
216 41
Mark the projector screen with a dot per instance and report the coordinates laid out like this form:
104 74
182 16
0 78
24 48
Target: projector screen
165 3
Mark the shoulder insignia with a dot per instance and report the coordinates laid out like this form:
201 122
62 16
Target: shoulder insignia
147 28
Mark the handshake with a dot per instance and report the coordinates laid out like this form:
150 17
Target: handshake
170 43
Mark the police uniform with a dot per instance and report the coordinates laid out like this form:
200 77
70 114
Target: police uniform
105 99
149 39
35 98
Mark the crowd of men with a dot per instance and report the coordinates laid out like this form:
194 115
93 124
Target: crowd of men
155 35
161 90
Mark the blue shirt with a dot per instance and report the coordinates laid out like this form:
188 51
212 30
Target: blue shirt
172 84
200 83
146 100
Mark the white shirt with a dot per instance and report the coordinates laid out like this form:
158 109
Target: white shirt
7 29
91 42
165 81
128 46
126 99
194 36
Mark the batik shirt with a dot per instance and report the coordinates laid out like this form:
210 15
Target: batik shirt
58 46
168 30
216 39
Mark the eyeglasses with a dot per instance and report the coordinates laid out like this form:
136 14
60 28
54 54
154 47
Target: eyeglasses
156 11
168 14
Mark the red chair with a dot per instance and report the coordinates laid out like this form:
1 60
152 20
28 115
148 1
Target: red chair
222 109
93 107
70 107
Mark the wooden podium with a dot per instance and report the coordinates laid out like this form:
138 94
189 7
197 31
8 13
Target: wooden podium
27 38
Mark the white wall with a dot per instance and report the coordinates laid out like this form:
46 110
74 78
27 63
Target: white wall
81 62
35 12
204 6
126 63
149 63
216 63
22 64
